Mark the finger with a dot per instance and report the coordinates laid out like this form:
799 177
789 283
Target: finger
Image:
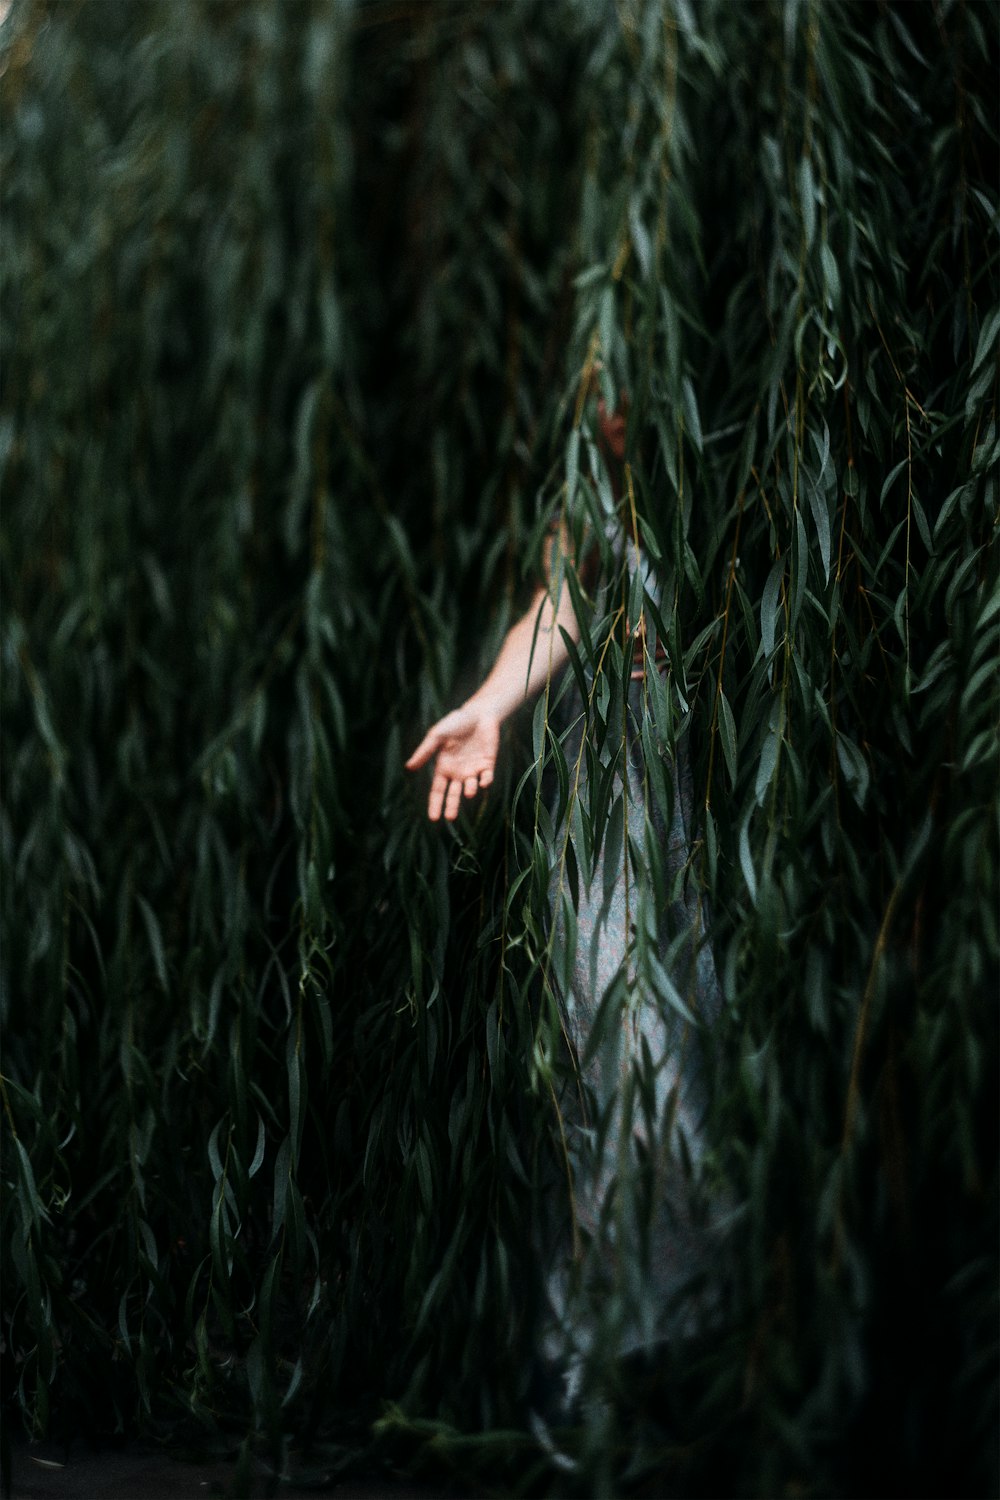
436 799
471 785
452 800
422 754
486 777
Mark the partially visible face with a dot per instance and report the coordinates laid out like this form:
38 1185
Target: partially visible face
612 427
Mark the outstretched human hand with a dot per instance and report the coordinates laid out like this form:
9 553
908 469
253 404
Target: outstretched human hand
466 743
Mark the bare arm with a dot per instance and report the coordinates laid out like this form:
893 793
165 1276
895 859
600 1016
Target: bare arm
533 651
466 741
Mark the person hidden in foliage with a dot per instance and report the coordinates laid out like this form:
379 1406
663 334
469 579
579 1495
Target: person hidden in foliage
633 973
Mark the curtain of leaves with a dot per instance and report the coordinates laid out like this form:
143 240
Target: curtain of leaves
300 306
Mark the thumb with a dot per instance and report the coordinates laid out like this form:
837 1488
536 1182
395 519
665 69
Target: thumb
431 741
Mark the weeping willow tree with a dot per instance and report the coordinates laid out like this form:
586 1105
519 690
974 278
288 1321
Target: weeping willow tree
302 304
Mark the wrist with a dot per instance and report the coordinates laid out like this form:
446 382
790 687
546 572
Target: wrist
490 700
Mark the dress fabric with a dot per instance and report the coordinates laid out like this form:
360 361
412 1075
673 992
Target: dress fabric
638 998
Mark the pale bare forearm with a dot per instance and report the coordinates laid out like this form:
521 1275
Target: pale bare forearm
464 743
533 652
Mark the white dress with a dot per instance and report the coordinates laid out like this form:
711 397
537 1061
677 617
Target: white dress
638 997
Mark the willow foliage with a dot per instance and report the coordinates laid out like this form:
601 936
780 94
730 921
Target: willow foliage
301 307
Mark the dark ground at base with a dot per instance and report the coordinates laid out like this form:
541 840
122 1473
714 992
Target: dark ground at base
48 1471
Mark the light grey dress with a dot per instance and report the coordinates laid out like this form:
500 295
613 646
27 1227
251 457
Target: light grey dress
638 997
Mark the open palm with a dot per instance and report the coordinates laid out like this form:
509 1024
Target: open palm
465 743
